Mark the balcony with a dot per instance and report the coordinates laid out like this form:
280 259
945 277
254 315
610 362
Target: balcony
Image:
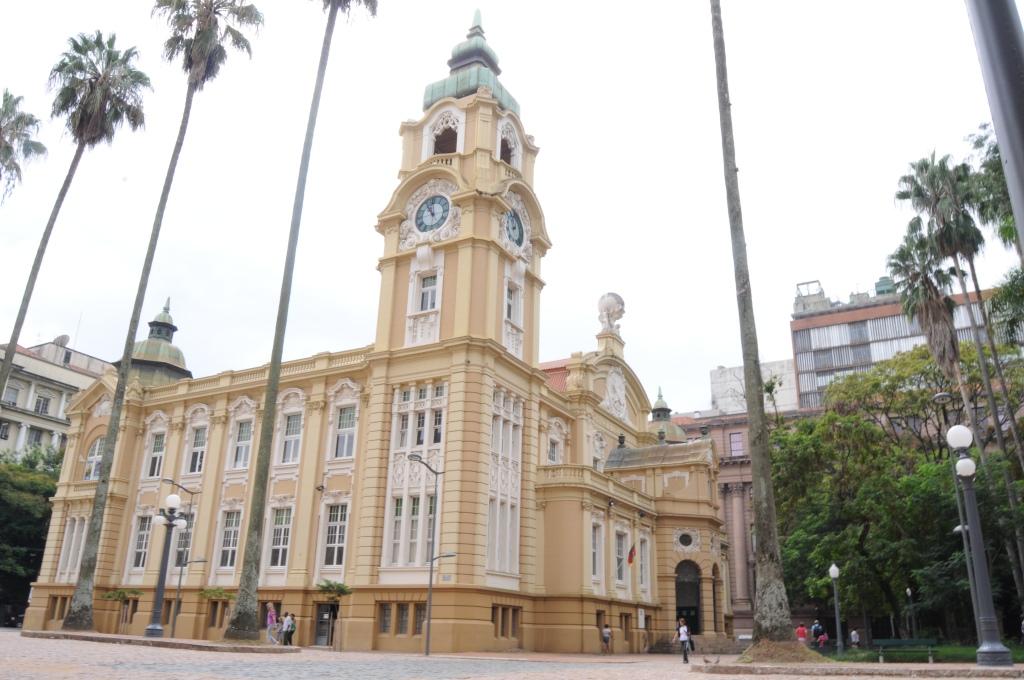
587 477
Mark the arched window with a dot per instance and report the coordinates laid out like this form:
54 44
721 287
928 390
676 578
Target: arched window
446 141
506 151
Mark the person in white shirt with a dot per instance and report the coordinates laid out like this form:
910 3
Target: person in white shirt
683 635
854 638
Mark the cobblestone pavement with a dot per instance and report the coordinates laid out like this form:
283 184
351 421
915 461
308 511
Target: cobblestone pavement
32 659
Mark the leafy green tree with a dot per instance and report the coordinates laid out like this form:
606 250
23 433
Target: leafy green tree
16 141
201 32
245 618
1008 306
991 197
26 486
98 89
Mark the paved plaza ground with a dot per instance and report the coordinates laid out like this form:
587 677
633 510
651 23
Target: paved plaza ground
32 658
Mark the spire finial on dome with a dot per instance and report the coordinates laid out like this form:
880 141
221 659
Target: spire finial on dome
167 306
477 23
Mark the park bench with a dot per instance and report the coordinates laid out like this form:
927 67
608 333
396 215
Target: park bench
908 645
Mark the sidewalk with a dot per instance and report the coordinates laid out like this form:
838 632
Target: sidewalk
174 643
860 670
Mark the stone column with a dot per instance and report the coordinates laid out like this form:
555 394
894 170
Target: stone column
55 439
739 543
22 434
63 405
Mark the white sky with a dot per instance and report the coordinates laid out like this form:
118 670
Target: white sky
831 101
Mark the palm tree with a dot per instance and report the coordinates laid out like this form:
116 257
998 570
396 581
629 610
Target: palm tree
245 621
991 198
98 89
771 606
200 29
16 143
943 194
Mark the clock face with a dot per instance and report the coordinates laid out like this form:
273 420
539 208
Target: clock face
514 227
432 213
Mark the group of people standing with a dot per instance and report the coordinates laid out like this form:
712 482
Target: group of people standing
819 637
279 630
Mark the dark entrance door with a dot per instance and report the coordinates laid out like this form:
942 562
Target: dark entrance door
326 615
688 595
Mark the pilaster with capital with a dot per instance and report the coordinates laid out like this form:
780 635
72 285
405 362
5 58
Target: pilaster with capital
739 541
310 465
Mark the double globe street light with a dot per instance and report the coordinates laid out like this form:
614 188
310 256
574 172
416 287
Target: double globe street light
172 518
991 652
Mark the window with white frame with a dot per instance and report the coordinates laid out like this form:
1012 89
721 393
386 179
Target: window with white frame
93 458
181 556
42 406
157 445
337 527
143 528
11 394
514 303
554 451
243 445
643 559
505 464
5 430
280 537
427 292
292 438
418 415
71 549
620 556
35 437
345 437
595 551
197 450
736 444
229 538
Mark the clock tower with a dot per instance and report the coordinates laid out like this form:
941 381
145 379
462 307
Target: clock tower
464 231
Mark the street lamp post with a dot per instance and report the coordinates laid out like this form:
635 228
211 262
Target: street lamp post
417 458
833 572
171 518
991 652
910 613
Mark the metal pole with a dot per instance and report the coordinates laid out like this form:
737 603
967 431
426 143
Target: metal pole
433 552
177 598
839 627
999 40
154 629
991 651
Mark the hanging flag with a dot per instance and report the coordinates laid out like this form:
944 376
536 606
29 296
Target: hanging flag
632 555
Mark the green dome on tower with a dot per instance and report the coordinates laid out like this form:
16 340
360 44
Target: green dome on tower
156 360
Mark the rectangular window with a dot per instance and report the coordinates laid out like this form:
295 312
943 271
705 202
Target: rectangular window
513 303
421 393
42 405
403 619
430 528
142 541
414 528
337 526
345 441
385 618
403 430
5 430
438 419
421 422
156 455
419 618
243 445
620 556
195 459
396 530
643 562
553 451
292 438
184 542
406 395
229 538
595 550
11 395
35 437
736 444
281 537
428 292
93 458
439 390
514 631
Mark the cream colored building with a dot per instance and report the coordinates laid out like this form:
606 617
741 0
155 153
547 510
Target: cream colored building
563 510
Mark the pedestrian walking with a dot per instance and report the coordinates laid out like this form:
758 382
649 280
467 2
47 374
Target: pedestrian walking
683 635
801 634
289 622
606 639
855 637
271 624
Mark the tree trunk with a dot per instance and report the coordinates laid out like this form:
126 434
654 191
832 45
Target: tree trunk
245 619
80 613
771 606
1011 408
1013 554
12 345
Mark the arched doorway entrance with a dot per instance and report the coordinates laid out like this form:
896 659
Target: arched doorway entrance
688 594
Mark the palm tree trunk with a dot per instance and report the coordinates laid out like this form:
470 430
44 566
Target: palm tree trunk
771 606
12 345
79 615
993 405
1011 408
245 618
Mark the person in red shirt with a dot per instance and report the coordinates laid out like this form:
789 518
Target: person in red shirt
801 634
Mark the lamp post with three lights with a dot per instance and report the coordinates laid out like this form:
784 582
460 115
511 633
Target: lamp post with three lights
991 652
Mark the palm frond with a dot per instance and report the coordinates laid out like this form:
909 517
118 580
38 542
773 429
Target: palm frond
16 142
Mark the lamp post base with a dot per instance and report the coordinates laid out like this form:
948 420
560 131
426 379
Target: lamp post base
156 630
994 654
